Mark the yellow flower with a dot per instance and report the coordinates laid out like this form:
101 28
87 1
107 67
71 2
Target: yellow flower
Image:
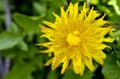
76 38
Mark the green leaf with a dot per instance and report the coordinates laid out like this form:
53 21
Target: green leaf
20 70
32 51
1 5
111 70
94 1
116 7
23 45
53 75
30 36
38 61
8 53
8 40
87 75
75 1
116 35
15 29
40 8
114 17
54 8
27 23
2 18
69 74
115 11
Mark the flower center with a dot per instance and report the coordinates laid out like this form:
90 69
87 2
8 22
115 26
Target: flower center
73 39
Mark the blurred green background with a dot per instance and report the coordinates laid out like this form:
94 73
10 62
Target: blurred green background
20 31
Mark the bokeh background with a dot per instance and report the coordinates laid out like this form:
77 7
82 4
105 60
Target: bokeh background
19 32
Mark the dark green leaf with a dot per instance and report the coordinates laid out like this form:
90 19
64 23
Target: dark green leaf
111 70
20 70
53 75
69 74
1 5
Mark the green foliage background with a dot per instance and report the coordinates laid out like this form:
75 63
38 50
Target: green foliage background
24 32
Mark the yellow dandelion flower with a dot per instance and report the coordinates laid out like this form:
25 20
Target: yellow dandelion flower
76 38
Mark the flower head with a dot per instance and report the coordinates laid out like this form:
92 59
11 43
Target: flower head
76 38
